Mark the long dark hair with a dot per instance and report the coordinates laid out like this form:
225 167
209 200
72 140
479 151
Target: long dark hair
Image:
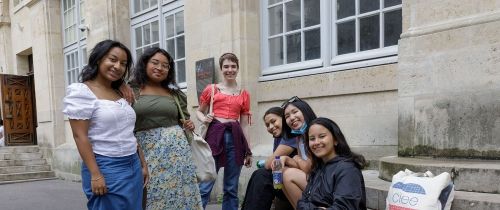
307 112
90 71
277 111
140 76
342 149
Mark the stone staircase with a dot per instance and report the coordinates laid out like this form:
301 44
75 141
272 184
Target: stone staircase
23 163
477 182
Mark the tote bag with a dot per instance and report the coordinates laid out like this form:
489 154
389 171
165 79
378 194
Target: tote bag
202 154
411 190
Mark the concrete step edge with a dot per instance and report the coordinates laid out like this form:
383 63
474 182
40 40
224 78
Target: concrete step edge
377 189
27 180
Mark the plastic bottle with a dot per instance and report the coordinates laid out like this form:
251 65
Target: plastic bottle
261 163
277 173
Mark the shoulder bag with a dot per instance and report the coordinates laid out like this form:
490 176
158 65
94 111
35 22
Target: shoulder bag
202 155
204 126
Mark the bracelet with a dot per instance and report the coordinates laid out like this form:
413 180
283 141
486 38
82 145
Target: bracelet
100 177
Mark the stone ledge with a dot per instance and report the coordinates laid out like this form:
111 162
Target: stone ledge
377 189
471 175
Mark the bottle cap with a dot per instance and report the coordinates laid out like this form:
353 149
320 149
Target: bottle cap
276 157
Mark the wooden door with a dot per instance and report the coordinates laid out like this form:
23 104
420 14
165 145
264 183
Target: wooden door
18 110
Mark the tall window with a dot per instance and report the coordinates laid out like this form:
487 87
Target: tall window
146 36
174 40
314 34
75 54
160 25
294 31
141 5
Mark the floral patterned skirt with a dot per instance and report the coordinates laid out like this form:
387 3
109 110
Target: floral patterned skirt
172 183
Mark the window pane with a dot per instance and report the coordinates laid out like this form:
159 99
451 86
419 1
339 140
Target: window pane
171 47
312 42
276 20
156 32
138 37
369 33
346 33
390 3
180 67
68 65
138 52
84 56
147 34
345 8
368 5
179 23
293 48
311 12
154 3
137 6
273 1
276 51
145 4
169 25
392 27
180 47
293 15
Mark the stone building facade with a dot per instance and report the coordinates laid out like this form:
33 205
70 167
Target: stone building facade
414 78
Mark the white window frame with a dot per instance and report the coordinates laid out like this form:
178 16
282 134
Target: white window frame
367 54
79 46
328 61
174 54
159 13
141 25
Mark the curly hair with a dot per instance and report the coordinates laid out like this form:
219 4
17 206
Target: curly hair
140 76
101 49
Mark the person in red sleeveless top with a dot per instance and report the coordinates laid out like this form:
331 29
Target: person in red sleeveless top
227 132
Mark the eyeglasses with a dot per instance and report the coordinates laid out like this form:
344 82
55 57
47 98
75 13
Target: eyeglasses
291 100
161 66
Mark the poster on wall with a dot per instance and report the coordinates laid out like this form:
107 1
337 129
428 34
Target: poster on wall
205 74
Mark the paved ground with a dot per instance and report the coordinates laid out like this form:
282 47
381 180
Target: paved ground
46 195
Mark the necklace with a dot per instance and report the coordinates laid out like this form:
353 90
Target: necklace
230 91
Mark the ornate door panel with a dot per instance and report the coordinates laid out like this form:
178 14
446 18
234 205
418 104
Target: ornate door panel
18 110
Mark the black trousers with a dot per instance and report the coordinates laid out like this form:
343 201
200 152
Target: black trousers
261 193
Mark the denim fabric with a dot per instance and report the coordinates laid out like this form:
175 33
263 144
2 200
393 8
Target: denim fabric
123 178
231 178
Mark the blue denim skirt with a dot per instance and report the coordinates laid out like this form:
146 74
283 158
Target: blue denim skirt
123 177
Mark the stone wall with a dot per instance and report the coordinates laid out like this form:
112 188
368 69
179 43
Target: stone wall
449 80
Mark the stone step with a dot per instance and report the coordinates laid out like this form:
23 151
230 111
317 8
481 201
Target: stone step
28 175
377 189
5 163
19 156
19 149
22 169
471 175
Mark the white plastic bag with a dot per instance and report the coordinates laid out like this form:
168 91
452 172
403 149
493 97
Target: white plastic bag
411 190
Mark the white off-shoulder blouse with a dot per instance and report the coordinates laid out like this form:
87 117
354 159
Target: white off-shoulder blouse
111 126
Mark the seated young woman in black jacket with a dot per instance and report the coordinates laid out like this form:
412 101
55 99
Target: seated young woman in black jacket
335 181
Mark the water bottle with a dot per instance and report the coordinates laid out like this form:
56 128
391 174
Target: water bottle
261 163
277 174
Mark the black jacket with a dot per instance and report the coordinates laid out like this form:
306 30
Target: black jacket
338 184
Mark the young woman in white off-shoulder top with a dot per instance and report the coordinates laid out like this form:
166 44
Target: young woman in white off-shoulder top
113 169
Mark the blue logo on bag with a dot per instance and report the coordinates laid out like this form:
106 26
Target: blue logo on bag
410 188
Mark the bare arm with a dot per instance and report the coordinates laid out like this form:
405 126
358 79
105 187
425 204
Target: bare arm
245 125
145 171
200 114
281 150
80 130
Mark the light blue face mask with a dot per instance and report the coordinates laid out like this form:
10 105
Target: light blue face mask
301 131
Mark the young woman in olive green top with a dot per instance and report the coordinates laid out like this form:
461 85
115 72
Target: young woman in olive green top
173 183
